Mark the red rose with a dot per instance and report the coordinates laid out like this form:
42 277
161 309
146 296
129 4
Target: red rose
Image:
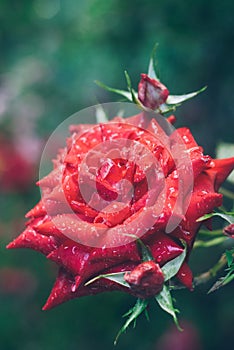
115 181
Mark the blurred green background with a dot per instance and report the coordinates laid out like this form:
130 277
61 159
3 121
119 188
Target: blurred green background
51 53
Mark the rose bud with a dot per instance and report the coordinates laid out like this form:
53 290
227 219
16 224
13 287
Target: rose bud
146 280
151 92
229 230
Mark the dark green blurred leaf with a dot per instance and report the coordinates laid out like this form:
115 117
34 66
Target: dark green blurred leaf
223 281
133 313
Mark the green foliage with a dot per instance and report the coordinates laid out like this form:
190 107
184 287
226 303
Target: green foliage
228 216
223 281
133 313
117 277
145 252
164 300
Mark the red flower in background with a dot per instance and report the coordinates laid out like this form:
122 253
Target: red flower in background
16 281
16 172
189 339
97 196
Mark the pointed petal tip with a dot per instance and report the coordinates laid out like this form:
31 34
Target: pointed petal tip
185 276
38 210
45 307
224 167
10 245
16 243
50 303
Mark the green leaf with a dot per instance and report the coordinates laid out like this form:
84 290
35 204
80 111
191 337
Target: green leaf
171 268
175 99
138 308
229 217
132 92
145 252
210 243
210 234
164 300
223 281
117 277
151 69
124 93
229 256
224 191
147 315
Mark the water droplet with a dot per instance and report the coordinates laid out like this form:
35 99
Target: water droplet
185 138
73 288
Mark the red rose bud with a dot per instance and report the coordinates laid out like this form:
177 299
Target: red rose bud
145 280
229 230
114 181
151 92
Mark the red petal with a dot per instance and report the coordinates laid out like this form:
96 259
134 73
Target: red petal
80 231
48 228
185 276
139 120
203 201
221 168
53 179
37 211
65 287
171 119
30 239
83 209
187 137
114 214
163 248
